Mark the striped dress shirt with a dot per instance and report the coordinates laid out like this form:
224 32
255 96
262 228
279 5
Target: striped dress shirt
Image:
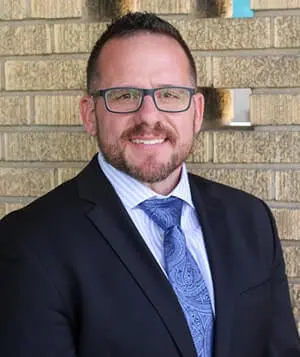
132 192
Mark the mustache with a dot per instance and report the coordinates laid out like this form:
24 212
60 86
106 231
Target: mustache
144 129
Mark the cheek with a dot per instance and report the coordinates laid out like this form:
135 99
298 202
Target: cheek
185 129
110 129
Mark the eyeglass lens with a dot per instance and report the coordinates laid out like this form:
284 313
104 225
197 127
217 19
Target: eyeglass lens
129 99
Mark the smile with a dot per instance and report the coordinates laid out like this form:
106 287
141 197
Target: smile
148 142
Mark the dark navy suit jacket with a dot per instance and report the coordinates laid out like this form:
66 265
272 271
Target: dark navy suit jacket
78 280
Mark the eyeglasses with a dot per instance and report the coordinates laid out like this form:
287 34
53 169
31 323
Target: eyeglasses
125 100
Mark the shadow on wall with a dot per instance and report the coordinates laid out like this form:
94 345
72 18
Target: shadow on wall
219 109
104 9
214 8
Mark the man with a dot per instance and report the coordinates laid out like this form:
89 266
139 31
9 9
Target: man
135 257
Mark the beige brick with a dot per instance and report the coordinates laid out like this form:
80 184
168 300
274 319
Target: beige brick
2 210
200 151
14 110
25 181
287 31
57 110
256 147
70 38
257 182
10 207
288 186
292 261
274 4
157 6
260 71
219 34
1 145
295 299
55 8
204 70
1 76
55 146
13 9
275 109
65 174
201 34
25 40
288 223
45 75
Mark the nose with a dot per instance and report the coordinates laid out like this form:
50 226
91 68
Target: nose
148 110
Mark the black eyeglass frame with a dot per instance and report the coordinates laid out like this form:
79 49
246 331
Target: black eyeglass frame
144 92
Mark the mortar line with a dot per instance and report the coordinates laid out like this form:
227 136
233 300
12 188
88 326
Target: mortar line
35 128
2 146
2 75
278 90
272 32
66 92
283 204
277 12
274 184
31 118
241 53
16 199
245 166
42 164
52 39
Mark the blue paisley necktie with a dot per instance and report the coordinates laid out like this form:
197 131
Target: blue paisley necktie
183 272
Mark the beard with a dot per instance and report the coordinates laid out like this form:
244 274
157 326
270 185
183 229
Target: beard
151 170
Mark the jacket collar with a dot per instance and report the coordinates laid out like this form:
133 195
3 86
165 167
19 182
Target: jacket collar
107 213
105 210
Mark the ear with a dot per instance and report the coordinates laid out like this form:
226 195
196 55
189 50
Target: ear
87 114
198 99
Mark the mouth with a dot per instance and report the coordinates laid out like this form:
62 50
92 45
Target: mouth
148 141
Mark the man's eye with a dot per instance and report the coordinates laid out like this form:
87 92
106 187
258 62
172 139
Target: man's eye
124 96
169 94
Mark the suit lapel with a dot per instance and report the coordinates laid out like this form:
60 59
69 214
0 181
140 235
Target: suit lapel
112 221
216 233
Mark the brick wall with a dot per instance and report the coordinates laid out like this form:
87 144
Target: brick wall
43 51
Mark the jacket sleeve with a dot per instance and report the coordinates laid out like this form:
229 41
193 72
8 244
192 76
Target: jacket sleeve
284 339
33 319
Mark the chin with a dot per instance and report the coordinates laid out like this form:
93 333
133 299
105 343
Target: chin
152 172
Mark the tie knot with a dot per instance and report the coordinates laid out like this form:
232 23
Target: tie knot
165 212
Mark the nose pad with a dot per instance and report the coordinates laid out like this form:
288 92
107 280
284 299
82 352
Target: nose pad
148 104
148 114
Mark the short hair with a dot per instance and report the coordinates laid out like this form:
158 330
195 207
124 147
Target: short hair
129 25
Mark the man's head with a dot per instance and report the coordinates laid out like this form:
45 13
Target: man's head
147 134
127 26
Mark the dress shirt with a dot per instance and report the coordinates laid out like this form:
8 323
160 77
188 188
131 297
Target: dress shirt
132 192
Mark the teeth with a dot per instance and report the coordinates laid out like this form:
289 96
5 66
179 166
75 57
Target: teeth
148 142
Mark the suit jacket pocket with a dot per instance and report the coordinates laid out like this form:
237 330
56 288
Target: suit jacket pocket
261 287
252 320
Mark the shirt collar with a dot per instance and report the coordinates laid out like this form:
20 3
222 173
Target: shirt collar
132 192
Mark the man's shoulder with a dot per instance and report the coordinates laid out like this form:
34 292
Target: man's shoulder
242 210
46 208
222 192
58 203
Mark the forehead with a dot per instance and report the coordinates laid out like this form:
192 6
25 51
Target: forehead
143 54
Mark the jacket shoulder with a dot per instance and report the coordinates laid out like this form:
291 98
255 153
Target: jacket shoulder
222 191
45 211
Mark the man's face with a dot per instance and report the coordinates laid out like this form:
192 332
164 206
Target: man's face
149 145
